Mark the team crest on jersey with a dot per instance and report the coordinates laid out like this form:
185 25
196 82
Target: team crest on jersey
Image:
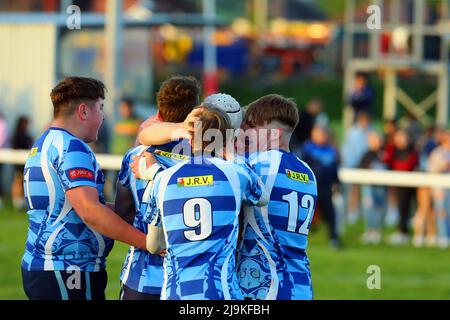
170 155
33 152
75 174
195 181
297 176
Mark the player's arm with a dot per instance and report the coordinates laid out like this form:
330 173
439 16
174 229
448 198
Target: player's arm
124 204
86 204
164 132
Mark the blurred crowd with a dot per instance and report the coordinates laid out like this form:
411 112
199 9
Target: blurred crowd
418 215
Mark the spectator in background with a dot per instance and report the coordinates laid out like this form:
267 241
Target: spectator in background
123 138
125 130
21 140
362 97
309 116
353 149
389 128
402 157
424 225
412 126
439 162
374 197
3 144
323 159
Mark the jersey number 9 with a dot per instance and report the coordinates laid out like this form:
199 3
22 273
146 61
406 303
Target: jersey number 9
197 213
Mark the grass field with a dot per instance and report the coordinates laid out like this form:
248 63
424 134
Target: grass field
406 272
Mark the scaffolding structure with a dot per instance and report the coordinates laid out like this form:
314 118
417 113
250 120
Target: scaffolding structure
407 17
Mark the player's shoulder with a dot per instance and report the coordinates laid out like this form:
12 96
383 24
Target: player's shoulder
63 143
239 165
297 167
75 144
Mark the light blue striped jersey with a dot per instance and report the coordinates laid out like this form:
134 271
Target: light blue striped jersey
272 260
57 237
197 203
142 271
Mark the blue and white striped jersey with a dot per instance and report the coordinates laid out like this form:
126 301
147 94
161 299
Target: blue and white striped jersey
197 203
57 237
272 260
142 271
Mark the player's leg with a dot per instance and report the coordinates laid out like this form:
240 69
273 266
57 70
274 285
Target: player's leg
64 285
95 285
41 285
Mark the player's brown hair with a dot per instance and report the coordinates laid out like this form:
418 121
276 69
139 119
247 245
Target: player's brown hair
176 98
72 91
272 107
211 118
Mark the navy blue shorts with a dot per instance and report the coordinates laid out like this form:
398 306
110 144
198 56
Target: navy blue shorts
64 285
130 294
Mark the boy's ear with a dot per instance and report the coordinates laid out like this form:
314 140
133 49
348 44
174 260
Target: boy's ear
82 111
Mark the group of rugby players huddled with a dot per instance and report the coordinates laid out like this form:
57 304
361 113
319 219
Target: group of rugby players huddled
212 207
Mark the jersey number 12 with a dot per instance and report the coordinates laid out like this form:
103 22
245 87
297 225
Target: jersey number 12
306 202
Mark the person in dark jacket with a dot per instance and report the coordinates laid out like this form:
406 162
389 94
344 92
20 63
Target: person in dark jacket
21 140
323 159
363 96
308 118
373 197
402 157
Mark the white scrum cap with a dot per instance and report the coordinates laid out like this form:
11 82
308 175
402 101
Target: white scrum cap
228 104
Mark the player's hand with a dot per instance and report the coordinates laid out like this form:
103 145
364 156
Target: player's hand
135 164
151 160
192 117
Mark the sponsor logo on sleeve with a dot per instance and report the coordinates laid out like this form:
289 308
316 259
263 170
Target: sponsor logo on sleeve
81 174
195 181
297 176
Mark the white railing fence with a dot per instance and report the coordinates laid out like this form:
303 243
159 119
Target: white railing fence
349 176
